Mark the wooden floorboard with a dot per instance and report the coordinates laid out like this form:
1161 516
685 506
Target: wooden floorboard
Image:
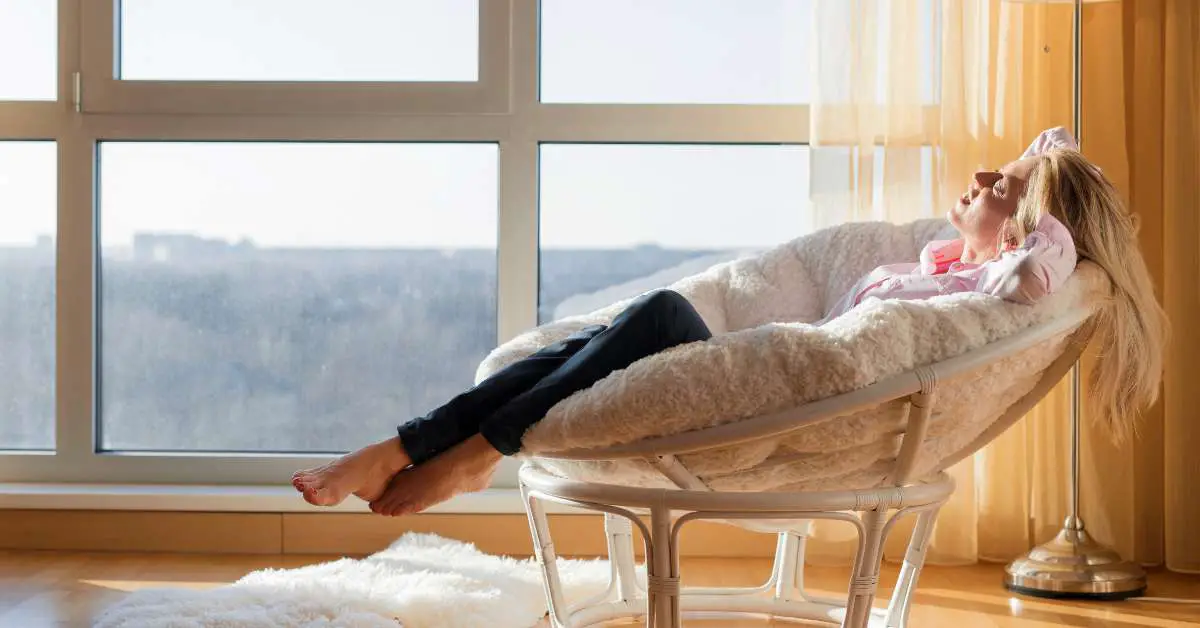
68 589
331 533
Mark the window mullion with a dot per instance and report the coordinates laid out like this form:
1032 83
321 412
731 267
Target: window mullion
29 120
517 246
517 263
742 124
74 270
75 336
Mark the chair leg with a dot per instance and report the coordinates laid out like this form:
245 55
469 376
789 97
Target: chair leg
620 552
543 550
865 578
800 544
662 573
914 560
787 567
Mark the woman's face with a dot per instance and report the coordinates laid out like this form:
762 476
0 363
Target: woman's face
990 199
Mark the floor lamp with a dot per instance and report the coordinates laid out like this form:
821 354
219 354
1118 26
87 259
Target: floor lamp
1073 565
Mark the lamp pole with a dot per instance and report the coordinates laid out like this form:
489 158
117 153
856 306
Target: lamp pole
1073 565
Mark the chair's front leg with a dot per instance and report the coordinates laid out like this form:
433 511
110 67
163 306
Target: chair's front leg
865 578
662 575
914 560
543 550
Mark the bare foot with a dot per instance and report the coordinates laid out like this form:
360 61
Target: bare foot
466 467
363 473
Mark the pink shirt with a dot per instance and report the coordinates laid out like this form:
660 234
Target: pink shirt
1024 275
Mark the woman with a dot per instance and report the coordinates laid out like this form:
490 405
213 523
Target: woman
1023 228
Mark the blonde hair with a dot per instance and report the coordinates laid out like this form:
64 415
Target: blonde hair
1130 324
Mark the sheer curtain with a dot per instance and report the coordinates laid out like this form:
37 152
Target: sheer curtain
911 97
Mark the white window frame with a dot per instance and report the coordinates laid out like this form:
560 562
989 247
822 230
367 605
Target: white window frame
112 110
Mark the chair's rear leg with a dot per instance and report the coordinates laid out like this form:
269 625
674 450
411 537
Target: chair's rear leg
620 552
801 544
914 560
787 555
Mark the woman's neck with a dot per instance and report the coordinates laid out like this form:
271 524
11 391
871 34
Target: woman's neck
973 253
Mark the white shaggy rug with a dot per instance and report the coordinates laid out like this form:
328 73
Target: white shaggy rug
420 581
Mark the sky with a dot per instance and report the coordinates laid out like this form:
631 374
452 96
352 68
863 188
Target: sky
430 195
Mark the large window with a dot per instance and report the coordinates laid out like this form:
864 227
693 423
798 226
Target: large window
240 236
28 189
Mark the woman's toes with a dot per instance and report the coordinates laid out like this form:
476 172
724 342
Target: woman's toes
387 506
398 505
311 495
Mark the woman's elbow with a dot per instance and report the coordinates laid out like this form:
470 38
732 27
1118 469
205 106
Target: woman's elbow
1027 285
1030 292
1030 285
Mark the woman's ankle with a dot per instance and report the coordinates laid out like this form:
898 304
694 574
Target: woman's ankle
396 459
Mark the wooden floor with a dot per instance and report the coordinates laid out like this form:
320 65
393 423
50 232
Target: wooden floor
61 589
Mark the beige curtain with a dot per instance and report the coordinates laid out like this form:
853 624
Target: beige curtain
1157 512
912 96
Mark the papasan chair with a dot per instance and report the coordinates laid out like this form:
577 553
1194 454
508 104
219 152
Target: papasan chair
771 424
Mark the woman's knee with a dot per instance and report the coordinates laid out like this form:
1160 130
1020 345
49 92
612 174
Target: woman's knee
676 314
665 300
652 308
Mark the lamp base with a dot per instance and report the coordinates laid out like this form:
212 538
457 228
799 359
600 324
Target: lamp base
1074 566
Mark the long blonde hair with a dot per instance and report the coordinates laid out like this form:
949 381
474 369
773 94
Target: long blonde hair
1130 324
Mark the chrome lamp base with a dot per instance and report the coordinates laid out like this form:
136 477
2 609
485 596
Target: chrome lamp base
1074 566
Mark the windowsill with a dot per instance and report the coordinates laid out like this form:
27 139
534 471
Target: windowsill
215 498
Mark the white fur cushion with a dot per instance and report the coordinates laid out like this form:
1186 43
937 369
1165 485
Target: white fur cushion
757 364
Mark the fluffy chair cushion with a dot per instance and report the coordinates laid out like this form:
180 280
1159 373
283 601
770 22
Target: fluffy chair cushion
766 357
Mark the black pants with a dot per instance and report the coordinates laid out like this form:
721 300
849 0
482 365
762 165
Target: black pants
506 404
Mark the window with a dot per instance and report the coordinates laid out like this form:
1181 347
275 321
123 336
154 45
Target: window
617 220
256 233
28 190
289 297
299 40
676 51
28 34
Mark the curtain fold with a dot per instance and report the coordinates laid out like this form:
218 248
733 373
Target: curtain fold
911 97
1181 278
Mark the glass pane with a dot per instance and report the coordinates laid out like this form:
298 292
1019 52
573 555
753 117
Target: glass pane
617 220
28 213
676 51
290 297
28 49
300 40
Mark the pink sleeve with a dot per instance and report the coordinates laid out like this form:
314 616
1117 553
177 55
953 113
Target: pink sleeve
1035 270
1058 137
916 285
